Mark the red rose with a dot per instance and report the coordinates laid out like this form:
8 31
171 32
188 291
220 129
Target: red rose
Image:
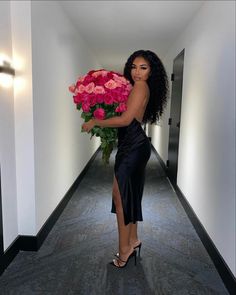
121 108
99 114
108 99
77 98
85 107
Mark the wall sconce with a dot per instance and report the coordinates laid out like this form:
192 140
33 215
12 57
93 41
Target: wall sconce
6 74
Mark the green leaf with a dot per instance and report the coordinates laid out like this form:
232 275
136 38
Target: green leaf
96 129
83 115
86 116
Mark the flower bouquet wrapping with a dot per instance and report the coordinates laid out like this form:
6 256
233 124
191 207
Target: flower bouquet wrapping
101 95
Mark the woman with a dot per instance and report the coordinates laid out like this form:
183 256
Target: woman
145 104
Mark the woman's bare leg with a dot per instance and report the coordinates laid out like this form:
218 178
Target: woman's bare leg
133 238
125 249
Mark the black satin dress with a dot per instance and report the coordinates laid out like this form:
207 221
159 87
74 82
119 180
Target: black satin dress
134 150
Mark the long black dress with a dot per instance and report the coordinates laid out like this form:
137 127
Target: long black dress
134 150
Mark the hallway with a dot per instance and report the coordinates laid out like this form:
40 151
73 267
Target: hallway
74 259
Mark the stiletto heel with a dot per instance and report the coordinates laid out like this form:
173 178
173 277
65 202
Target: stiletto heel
139 248
135 257
134 253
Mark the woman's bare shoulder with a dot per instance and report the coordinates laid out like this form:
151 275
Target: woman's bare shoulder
141 85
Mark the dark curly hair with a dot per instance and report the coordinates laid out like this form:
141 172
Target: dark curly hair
157 82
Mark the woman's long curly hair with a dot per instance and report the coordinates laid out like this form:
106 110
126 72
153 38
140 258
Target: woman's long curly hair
157 82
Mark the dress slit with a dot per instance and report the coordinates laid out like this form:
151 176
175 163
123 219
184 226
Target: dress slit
133 152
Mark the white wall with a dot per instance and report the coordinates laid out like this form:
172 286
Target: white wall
206 167
7 137
59 56
42 150
23 107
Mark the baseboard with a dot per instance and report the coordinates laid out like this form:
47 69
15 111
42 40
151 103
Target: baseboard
225 273
159 158
219 262
33 243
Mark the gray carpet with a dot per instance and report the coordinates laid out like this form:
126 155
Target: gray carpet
74 259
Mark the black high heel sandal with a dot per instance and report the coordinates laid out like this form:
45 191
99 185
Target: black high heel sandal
139 248
134 253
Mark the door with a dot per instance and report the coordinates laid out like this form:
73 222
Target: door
175 115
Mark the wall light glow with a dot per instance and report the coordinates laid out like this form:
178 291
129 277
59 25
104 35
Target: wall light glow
18 63
4 57
6 81
6 71
19 85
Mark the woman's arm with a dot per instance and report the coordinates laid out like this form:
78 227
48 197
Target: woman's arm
135 102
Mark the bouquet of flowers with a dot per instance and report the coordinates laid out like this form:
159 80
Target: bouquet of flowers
101 94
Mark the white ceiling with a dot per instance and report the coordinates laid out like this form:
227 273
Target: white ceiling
115 29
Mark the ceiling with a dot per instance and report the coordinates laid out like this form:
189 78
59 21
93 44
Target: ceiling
115 29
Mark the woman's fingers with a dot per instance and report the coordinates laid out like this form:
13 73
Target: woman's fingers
87 126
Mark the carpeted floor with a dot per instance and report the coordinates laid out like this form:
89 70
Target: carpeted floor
74 259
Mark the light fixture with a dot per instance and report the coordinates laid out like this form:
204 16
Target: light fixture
6 74
7 69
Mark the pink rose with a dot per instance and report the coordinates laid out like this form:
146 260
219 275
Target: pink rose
115 76
104 73
96 74
111 84
89 88
99 73
81 79
72 88
98 90
81 88
99 114
121 108
117 79
123 80
119 84
129 87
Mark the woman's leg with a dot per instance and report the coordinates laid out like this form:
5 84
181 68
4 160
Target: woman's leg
133 238
125 249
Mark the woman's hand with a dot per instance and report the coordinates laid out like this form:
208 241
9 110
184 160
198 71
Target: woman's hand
88 125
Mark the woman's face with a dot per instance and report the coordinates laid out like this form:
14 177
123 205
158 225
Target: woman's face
140 69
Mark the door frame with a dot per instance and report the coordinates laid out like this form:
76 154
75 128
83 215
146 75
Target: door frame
173 178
